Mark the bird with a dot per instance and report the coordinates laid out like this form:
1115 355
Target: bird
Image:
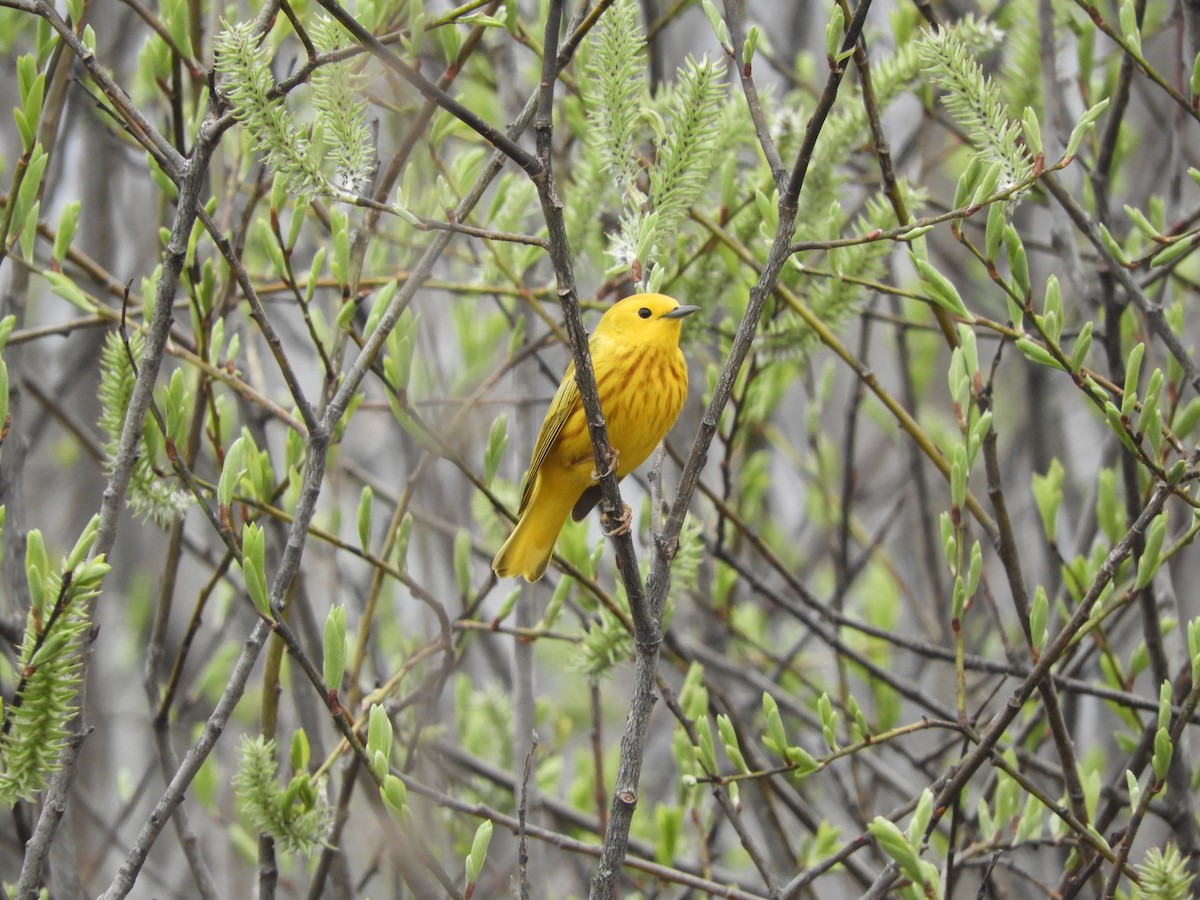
641 377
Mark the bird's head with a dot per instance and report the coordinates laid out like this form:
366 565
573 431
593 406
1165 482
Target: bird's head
644 318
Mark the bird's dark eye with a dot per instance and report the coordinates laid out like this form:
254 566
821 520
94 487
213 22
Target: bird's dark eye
644 312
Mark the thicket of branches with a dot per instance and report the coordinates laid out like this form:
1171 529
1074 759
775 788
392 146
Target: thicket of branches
905 607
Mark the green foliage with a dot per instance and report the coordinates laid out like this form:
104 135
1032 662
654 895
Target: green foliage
296 816
615 94
337 99
151 495
900 847
842 554
606 644
479 848
37 721
298 156
974 101
1022 53
685 120
1164 875
686 153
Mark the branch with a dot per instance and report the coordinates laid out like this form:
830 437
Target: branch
195 172
659 584
1152 310
123 883
733 18
1053 652
431 91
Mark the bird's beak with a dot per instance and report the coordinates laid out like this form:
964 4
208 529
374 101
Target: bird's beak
680 311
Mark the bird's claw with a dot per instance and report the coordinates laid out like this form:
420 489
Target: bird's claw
623 523
613 455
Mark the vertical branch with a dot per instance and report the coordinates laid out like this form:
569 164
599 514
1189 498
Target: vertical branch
737 36
659 584
645 627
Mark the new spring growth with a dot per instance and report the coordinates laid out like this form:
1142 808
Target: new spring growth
1161 761
479 849
254 567
334 648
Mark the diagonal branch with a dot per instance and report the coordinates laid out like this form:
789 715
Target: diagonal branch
431 91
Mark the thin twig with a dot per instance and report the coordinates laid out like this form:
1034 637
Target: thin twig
522 837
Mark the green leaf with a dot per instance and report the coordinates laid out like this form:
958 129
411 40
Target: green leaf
1151 556
1165 699
921 817
379 738
254 567
68 224
1032 130
1193 637
1036 353
975 568
1113 417
479 849
968 181
1085 125
1142 223
835 31
339 262
828 721
395 796
753 36
300 750
365 508
942 291
37 570
71 292
718 24
334 647
668 823
1129 25
1163 751
775 738
730 740
462 560
231 472
497 443
1174 251
83 546
1135 790
1047 494
705 750
1083 343
801 760
894 843
1039 613
403 533
989 184
994 234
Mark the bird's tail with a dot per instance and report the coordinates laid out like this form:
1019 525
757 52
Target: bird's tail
528 549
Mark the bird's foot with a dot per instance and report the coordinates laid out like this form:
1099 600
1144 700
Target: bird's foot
613 455
623 524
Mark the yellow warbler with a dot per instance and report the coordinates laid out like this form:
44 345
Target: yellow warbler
642 381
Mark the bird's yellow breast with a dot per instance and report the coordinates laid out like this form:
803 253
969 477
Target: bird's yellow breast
642 390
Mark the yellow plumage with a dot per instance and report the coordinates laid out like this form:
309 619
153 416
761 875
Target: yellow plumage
641 377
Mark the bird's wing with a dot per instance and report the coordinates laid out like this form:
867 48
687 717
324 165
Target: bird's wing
566 399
